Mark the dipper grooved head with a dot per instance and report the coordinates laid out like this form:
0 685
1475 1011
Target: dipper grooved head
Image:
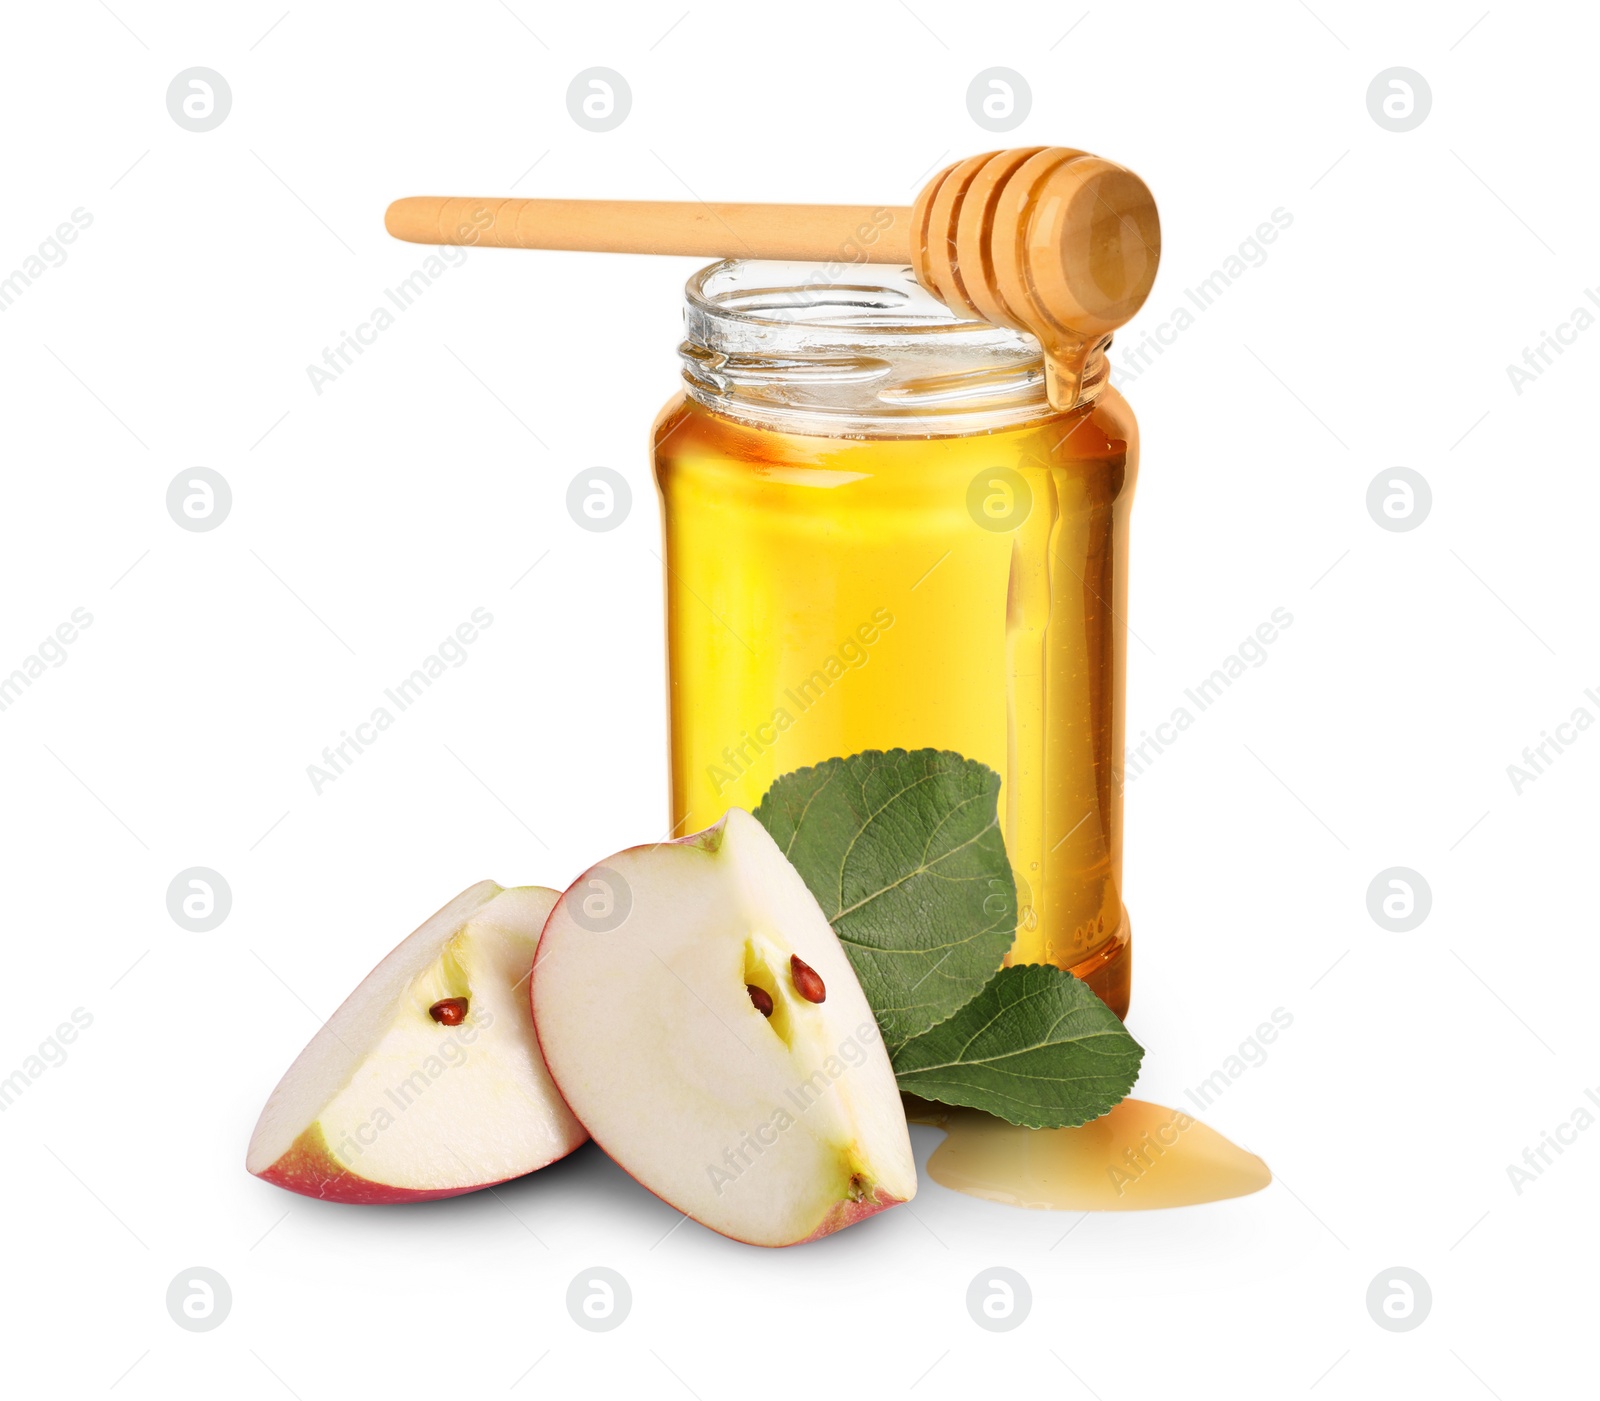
1047 240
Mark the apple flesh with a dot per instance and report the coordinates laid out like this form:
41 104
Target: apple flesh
772 1127
427 1082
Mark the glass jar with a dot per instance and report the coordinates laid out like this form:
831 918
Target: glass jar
880 535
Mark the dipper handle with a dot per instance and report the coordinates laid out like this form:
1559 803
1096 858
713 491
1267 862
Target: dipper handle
1048 240
798 232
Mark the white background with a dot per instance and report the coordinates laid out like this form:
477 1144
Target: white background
369 520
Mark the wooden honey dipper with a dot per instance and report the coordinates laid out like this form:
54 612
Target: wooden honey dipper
1051 241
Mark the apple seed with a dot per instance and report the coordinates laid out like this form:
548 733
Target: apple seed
449 1011
806 980
760 998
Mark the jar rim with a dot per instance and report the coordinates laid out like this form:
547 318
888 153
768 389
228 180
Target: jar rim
902 306
852 349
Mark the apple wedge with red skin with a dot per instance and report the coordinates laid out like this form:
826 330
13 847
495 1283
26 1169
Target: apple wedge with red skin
427 1082
703 1022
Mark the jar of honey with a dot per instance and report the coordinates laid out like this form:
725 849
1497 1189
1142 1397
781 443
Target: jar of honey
879 534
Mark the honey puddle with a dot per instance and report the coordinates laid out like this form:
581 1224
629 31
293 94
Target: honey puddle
1138 1157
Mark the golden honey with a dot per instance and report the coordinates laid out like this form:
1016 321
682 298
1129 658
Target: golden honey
1138 1157
879 535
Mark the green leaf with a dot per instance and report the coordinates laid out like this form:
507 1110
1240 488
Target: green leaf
1036 1047
904 854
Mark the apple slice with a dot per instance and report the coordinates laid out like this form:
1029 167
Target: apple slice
703 1022
427 1082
